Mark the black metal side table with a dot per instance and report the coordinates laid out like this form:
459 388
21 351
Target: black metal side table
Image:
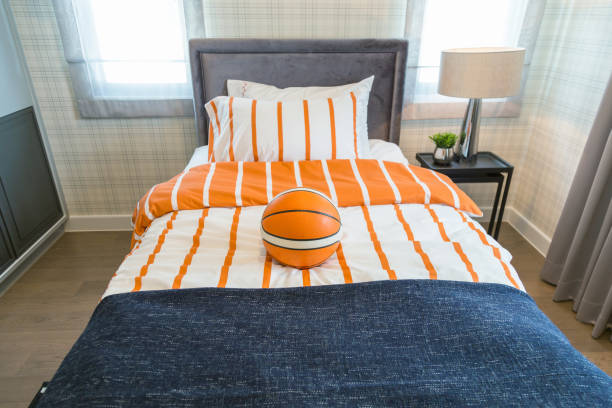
488 168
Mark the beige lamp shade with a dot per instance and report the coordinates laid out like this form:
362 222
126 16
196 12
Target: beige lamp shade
481 72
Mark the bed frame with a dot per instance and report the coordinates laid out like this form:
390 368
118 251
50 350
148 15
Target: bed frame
285 63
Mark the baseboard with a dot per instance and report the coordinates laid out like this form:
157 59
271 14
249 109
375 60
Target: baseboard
538 239
81 223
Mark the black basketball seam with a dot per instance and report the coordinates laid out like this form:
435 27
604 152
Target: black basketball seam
301 239
309 211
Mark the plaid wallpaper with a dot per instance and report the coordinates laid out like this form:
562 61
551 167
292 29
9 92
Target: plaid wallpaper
571 68
305 18
105 165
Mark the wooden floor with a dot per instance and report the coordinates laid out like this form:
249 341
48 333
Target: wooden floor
42 315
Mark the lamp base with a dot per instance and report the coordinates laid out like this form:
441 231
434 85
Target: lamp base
467 147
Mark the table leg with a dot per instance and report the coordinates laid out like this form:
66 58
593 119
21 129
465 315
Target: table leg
500 181
503 204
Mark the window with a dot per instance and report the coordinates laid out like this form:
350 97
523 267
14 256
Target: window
434 25
137 53
129 58
458 24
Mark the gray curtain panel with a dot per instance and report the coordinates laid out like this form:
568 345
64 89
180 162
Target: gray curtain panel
579 260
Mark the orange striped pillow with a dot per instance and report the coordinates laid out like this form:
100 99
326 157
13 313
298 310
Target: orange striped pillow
244 129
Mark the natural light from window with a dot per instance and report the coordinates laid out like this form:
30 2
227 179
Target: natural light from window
139 41
465 23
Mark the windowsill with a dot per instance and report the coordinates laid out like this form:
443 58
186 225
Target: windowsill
153 108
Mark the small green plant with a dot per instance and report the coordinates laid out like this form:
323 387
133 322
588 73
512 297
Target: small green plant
444 140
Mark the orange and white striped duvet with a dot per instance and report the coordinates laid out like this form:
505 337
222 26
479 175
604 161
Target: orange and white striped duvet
202 228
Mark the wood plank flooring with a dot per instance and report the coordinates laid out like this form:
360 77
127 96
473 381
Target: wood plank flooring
44 312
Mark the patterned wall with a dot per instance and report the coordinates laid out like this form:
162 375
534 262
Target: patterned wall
305 18
571 68
105 165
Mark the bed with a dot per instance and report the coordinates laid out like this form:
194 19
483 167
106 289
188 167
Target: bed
417 307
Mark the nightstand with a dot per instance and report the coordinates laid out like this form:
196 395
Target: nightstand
488 168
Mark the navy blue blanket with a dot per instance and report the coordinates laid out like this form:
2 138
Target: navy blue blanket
402 343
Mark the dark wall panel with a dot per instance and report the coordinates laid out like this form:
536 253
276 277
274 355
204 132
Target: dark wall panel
29 202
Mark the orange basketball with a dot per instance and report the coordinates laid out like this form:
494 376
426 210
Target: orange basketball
301 228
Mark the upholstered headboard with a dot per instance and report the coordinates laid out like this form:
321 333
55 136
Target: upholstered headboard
285 63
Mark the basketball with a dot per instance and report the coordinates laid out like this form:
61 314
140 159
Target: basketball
301 228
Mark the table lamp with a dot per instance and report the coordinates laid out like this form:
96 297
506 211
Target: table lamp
476 73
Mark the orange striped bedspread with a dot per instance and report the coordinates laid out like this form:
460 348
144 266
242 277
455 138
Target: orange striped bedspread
201 228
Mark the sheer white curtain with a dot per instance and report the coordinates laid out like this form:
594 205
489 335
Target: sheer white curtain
136 53
129 58
434 25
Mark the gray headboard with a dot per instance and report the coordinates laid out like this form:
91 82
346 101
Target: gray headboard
285 63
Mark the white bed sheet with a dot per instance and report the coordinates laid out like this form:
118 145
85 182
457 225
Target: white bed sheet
163 256
379 149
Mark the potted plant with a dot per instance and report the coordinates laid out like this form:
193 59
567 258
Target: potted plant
443 153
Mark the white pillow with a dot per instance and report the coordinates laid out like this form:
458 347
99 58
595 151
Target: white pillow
255 90
386 151
245 129
199 157
247 89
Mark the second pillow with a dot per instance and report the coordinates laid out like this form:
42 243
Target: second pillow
244 129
